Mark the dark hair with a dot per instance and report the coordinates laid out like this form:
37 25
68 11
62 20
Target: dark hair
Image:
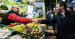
62 3
51 8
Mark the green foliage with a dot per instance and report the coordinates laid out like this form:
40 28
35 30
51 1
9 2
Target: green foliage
20 5
11 2
6 1
4 7
0 6
22 10
15 3
25 1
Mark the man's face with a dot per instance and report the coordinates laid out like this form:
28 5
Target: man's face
16 9
58 8
51 11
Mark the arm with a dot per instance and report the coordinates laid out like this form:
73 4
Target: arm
49 21
19 19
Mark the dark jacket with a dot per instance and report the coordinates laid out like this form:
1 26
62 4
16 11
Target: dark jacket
48 16
5 20
66 28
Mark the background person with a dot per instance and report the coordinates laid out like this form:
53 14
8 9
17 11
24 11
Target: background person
70 8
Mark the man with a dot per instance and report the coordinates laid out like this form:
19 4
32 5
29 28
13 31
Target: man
65 20
50 14
13 16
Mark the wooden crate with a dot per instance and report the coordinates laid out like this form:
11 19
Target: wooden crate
51 37
51 31
50 28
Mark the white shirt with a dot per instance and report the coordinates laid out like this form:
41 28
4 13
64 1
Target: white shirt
51 15
63 14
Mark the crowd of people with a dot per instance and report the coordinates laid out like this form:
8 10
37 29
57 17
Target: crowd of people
64 18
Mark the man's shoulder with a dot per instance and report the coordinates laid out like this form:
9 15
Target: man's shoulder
66 11
69 12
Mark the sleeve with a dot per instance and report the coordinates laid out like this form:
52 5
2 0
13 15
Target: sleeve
19 19
47 21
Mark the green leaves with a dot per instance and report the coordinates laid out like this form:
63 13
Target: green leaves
6 1
25 1
4 7
11 2
20 5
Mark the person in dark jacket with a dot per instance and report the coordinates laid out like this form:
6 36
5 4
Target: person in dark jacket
65 20
13 16
50 14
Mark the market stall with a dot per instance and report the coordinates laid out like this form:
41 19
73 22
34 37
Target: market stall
27 31
24 31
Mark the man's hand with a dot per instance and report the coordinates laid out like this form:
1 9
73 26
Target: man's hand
37 20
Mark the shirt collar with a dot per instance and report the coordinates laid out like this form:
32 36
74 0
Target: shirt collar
63 14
